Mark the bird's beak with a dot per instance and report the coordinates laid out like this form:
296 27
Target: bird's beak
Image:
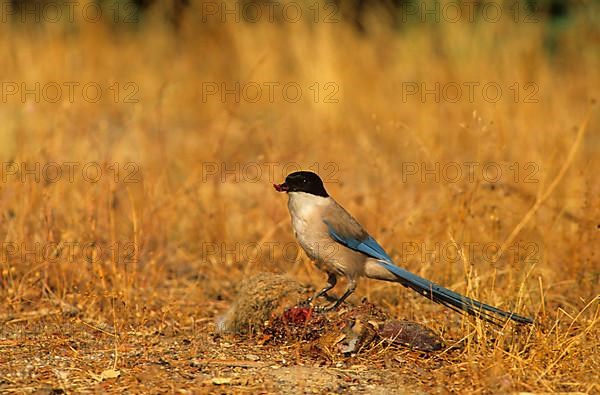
281 187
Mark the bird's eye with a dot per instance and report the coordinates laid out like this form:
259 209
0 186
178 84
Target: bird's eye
304 180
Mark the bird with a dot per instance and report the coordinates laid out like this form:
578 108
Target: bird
338 244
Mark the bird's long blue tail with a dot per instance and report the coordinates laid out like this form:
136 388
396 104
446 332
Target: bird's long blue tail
451 299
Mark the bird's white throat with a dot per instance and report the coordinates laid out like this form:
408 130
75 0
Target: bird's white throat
302 204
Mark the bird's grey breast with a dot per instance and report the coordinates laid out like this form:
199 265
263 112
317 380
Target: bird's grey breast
307 211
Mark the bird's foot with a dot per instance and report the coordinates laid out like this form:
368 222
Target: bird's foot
306 303
321 309
312 299
326 308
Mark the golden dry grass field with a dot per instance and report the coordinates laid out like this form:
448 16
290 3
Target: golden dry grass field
137 163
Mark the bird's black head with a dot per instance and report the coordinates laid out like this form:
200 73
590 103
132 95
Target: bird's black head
303 181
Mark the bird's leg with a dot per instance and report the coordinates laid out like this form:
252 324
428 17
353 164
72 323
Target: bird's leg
349 290
331 281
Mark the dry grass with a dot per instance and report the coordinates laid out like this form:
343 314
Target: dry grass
171 245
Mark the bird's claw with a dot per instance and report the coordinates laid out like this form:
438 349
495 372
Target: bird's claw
324 309
311 299
306 303
320 309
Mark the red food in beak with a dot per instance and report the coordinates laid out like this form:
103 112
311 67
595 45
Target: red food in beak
281 187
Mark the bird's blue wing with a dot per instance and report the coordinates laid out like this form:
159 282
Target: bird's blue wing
367 245
358 240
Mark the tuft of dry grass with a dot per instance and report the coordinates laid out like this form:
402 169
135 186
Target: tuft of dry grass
126 271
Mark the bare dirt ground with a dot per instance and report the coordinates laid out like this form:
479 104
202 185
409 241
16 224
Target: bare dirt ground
167 346
51 354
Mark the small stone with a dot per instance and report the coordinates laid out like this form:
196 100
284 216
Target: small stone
221 380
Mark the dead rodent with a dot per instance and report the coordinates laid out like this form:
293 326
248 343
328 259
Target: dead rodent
259 298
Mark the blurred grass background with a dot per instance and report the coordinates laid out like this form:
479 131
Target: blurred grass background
173 133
